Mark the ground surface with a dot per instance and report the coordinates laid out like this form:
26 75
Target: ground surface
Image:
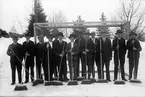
96 89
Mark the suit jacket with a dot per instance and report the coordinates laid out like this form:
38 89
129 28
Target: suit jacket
130 48
40 51
87 45
122 46
59 48
106 48
18 50
29 47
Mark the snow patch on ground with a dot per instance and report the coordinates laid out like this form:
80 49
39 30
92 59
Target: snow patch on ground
96 89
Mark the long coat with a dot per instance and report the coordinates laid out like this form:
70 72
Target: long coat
75 50
87 45
106 48
122 47
130 48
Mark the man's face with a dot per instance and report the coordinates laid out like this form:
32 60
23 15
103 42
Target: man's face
27 38
60 38
49 38
40 39
93 35
119 35
72 39
15 40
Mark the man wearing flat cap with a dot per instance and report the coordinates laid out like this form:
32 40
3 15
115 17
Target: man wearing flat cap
119 48
51 59
59 50
104 47
72 52
86 49
29 50
16 53
134 48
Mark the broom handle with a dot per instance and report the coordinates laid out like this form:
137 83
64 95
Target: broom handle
61 60
118 59
21 63
133 53
71 65
101 58
86 59
48 64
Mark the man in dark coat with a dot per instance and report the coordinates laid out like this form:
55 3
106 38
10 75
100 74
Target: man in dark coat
55 72
106 50
41 53
134 48
72 52
94 53
29 47
86 48
119 48
16 53
50 58
59 50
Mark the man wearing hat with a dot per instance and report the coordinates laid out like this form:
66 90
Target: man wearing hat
29 50
50 56
119 48
72 51
106 50
16 53
41 53
134 48
86 49
59 50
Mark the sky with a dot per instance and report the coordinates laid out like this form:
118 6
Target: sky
16 12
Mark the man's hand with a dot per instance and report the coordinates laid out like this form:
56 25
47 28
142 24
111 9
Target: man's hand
117 46
61 55
27 54
86 50
134 48
72 53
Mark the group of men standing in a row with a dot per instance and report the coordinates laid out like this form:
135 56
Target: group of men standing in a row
85 47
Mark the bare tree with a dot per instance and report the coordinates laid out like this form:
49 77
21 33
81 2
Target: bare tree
134 12
58 17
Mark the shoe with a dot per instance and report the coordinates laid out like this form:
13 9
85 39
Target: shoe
114 79
12 83
109 80
26 82
124 79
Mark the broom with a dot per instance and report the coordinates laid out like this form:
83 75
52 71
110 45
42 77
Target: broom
20 87
48 83
102 80
80 78
86 81
38 80
72 82
119 82
57 83
93 80
134 80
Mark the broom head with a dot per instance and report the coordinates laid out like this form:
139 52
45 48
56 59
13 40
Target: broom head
102 81
93 80
73 82
86 81
135 81
119 82
20 87
38 81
